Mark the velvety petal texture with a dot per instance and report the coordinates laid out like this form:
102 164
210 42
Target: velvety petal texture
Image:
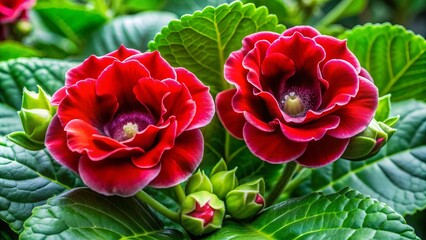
299 96
128 120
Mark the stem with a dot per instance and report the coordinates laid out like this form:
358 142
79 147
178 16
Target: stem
282 182
227 143
180 194
334 14
143 196
296 181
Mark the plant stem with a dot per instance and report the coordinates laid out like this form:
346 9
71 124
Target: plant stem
334 14
180 194
282 182
301 176
143 196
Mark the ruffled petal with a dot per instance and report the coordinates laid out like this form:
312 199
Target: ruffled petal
323 152
123 53
119 80
115 176
343 83
178 163
166 141
306 31
83 103
250 40
357 114
58 96
336 49
201 96
85 139
272 147
158 67
56 144
252 61
92 67
231 120
312 131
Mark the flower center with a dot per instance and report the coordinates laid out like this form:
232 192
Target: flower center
293 104
205 213
126 125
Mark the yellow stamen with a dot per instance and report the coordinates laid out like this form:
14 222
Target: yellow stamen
130 129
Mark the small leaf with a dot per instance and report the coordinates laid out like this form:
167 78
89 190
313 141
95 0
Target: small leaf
82 213
134 31
203 41
383 109
395 58
347 214
28 179
22 140
395 176
20 73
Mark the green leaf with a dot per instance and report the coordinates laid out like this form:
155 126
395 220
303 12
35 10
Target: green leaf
28 179
82 213
395 58
203 41
347 214
20 73
383 108
395 176
22 140
9 120
276 7
134 31
11 49
189 6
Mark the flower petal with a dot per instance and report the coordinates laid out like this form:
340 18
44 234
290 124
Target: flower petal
231 120
252 61
83 103
306 31
56 144
250 40
323 152
312 131
92 67
119 79
180 162
85 139
123 53
336 49
272 147
166 140
357 114
157 66
201 96
115 176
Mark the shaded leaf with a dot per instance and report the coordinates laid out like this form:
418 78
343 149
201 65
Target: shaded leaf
11 49
395 58
395 176
347 214
82 213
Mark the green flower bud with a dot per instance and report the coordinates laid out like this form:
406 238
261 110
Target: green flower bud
369 142
246 200
198 182
35 114
223 182
202 212
219 167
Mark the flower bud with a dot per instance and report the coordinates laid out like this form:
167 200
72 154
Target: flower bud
246 200
202 212
223 182
219 167
198 182
371 140
35 114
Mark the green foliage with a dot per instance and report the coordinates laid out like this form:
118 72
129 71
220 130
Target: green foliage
203 41
395 175
395 58
189 6
347 214
81 213
11 49
134 31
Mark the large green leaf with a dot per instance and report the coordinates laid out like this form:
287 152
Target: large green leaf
28 179
82 213
203 41
395 58
20 73
134 31
396 175
347 214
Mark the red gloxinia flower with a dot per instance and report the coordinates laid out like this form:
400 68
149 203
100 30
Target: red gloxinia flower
127 120
11 10
299 96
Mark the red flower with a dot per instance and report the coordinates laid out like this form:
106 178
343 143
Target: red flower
127 120
299 96
11 10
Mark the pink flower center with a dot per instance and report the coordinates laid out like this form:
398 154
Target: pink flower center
126 125
205 213
259 199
